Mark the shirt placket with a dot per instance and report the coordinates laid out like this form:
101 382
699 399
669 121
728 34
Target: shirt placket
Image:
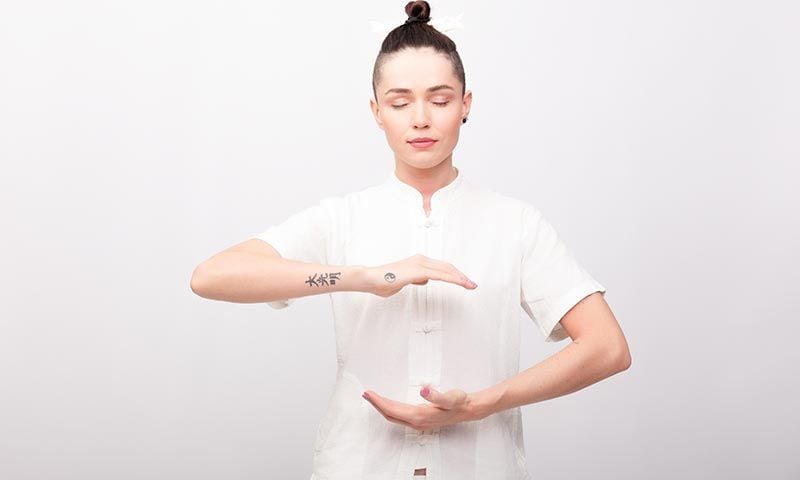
421 449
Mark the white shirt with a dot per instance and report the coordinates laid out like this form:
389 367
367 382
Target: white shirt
440 334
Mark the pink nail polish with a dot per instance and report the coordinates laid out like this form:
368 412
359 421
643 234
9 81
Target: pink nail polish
425 392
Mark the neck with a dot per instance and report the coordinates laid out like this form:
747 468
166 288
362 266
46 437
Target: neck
427 180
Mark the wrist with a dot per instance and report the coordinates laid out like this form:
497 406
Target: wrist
481 404
360 278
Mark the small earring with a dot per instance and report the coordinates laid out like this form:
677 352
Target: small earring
464 120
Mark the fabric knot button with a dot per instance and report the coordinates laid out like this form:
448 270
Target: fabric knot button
427 329
422 381
428 222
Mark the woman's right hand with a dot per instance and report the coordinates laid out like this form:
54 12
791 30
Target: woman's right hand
386 280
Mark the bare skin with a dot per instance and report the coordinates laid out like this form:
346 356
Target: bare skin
254 272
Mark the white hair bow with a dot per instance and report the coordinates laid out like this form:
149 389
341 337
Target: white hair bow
443 24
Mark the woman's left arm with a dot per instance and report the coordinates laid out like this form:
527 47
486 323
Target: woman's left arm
598 350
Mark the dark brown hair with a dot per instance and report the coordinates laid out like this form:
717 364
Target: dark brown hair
416 33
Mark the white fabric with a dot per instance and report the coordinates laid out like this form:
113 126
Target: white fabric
439 334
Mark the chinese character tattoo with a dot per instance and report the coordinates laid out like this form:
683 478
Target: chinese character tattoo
322 279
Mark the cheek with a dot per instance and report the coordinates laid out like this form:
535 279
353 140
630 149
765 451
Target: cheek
395 125
450 121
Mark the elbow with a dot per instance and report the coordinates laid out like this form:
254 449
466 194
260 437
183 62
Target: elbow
625 362
611 356
622 356
199 280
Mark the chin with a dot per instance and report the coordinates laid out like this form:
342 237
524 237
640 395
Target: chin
422 163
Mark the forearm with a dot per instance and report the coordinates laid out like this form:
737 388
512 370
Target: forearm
574 367
245 277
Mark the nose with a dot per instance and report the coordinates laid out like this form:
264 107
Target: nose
421 118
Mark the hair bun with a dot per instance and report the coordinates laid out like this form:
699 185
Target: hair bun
419 11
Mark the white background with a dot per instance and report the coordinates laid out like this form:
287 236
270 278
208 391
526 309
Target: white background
139 138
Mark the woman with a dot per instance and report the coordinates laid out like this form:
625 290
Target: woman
428 381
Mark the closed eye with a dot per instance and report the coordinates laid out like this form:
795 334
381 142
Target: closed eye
440 104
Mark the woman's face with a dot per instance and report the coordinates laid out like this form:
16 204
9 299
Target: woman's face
419 95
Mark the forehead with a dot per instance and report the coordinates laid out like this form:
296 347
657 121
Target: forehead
417 69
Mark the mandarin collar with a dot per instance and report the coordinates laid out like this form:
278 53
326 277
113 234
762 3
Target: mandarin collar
440 199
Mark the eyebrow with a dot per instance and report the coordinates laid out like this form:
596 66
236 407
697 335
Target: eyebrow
431 89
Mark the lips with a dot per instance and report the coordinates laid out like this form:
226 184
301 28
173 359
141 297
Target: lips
421 142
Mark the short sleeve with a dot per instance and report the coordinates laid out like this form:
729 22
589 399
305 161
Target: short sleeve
551 279
303 236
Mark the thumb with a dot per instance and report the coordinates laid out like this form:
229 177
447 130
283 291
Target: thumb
435 396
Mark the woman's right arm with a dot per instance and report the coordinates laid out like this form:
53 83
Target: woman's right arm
253 271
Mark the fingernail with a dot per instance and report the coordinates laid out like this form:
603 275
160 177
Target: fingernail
425 392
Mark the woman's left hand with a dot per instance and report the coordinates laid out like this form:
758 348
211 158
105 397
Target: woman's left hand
445 408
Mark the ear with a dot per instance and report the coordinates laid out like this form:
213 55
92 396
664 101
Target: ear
466 104
373 105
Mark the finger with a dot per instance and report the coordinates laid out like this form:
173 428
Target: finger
394 420
442 400
437 273
386 415
449 267
393 408
427 416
